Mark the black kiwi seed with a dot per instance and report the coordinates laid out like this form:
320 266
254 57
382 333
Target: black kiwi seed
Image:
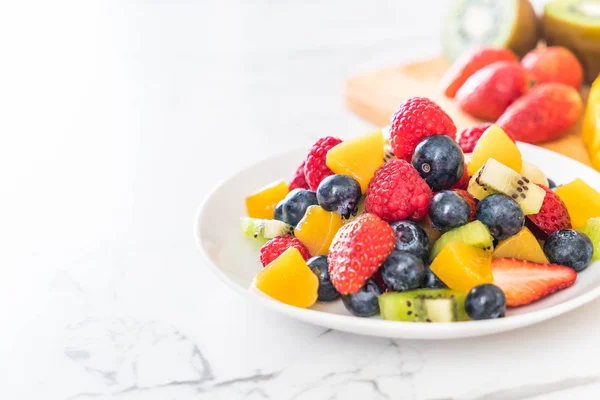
522 195
526 180
409 312
520 182
519 189
514 196
526 187
408 303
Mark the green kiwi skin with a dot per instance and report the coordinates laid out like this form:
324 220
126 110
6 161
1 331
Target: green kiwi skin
582 39
412 306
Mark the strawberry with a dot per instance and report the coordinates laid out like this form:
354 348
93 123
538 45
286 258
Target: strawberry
524 282
545 113
414 120
358 250
554 64
470 63
489 91
398 192
553 215
274 247
298 180
463 182
315 169
468 138
470 201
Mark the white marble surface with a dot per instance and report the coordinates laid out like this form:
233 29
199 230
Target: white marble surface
117 118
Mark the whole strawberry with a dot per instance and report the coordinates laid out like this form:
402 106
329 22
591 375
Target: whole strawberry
553 215
463 182
298 180
358 250
545 113
470 201
489 91
315 169
414 120
468 138
274 247
398 192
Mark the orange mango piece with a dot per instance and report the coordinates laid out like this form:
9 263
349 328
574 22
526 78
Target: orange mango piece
317 229
523 246
262 203
463 267
582 201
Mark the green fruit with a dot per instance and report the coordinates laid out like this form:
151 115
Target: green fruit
264 229
575 24
423 305
474 234
497 23
592 230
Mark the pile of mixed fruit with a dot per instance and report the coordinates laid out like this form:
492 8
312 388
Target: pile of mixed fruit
400 222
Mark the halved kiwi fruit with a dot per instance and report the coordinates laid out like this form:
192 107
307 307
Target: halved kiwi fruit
499 23
423 305
575 24
264 229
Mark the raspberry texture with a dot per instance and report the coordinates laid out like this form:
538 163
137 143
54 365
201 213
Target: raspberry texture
398 192
468 138
298 180
274 247
414 120
315 169
553 215
358 250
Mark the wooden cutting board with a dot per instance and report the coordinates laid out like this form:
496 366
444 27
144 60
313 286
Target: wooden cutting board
376 95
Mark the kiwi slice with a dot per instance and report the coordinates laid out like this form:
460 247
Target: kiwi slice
423 305
495 177
575 24
265 229
499 23
474 234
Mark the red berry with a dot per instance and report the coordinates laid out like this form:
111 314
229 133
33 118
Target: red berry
414 120
463 182
358 250
298 180
315 169
471 201
468 138
524 282
553 215
398 192
274 247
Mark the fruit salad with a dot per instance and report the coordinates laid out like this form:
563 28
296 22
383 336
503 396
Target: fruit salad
399 223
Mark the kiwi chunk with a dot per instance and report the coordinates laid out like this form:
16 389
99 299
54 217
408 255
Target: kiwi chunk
575 24
423 305
264 229
499 23
474 234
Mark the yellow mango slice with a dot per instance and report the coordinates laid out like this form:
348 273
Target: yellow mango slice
582 201
495 143
523 246
262 203
463 267
317 229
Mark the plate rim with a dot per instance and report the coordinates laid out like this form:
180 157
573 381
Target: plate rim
379 327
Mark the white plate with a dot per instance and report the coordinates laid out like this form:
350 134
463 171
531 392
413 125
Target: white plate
235 261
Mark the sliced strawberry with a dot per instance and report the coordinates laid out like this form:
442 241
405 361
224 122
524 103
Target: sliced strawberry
463 182
524 282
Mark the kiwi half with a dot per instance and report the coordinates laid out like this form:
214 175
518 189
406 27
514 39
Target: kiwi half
499 23
575 24
264 229
423 305
474 234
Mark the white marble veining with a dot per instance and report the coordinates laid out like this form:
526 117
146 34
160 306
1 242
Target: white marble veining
117 118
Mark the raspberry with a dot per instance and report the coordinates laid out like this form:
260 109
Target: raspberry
468 138
414 120
463 182
315 169
274 247
553 215
398 192
298 181
358 250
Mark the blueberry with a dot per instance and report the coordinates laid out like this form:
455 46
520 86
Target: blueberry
501 214
402 271
551 184
431 281
339 193
448 210
410 237
365 302
279 211
294 205
320 268
569 247
440 161
485 301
